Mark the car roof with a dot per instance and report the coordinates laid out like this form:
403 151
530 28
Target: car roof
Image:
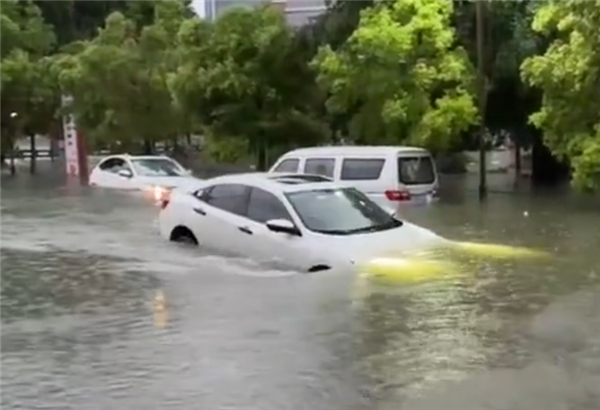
147 156
362 150
281 182
129 156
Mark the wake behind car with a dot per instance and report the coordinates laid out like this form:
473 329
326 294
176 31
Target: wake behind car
141 172
306 221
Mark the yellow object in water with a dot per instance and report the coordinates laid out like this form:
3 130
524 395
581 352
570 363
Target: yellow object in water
499 251
161 315
398 270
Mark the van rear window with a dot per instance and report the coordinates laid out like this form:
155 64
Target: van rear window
287 165
416 170
361 169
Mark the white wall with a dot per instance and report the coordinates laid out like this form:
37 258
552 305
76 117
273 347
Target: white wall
199 7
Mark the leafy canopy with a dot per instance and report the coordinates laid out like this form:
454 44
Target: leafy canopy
401 75
27 90
569 77
119 79
241 77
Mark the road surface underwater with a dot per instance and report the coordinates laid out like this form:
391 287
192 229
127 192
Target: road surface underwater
99 313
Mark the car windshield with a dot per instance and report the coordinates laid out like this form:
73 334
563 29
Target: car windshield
340 211
157 167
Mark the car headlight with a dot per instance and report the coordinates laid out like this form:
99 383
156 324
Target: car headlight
158 193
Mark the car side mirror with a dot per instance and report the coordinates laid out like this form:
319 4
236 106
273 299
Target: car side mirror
283 226
125 173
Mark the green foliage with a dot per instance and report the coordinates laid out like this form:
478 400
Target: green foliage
76 20
240 76
567 73
401 76
226 150
119 79
394 72
28 94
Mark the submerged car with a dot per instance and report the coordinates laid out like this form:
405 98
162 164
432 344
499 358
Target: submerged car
137 172
307 222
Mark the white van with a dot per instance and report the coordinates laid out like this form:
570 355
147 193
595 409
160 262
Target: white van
388 175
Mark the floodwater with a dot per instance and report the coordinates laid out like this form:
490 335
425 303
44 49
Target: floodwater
99 313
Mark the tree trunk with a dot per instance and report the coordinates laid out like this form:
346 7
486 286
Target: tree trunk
517 148
13 168
148 147
33 148
261 160
546 169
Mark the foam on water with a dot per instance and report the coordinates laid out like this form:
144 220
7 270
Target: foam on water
139 243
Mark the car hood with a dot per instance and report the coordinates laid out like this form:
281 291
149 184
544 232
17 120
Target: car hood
395 242
183 182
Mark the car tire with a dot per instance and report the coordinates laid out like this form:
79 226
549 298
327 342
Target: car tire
182 234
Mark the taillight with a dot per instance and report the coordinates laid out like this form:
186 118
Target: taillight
162 196
162 204
395 195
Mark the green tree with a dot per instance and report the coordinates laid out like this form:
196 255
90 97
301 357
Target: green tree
567 73
28 94
76 20
119 80
401 76
242 79
508 40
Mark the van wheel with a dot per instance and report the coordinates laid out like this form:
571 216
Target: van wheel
181 234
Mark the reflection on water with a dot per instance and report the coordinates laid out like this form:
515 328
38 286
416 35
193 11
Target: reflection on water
100 313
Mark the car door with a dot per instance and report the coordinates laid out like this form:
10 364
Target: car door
101 175
281 249
108 174
218 218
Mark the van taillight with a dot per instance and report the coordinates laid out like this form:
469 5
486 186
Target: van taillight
395 195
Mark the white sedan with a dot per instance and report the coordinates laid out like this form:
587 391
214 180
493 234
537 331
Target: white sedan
136 172
305 221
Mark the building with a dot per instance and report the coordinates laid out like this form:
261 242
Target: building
298 12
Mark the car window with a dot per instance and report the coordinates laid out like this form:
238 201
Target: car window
320 166
287 165
416 170
264 206
361 169
114 165
340 211
157 167
228 197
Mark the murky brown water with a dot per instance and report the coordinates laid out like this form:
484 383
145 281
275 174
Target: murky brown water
81 330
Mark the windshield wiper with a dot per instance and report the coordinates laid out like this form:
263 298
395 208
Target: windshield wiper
366 229
394 223
334 231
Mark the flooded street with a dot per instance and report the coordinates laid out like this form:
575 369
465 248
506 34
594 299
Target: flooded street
84 327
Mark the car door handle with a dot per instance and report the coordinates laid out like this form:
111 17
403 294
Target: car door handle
200 211
245 230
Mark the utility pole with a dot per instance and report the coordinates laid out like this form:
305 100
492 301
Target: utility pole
482 94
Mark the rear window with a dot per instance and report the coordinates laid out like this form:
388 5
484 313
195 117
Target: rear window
416 170
287 165
320 166
362 169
